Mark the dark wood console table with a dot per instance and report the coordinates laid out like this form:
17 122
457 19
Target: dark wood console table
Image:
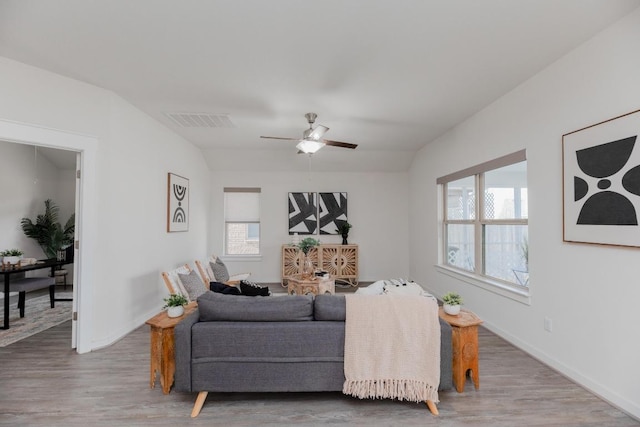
8 271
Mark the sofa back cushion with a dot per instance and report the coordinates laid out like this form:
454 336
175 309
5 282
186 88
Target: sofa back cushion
238 308
330 307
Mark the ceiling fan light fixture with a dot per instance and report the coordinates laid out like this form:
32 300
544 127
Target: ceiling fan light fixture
309 146
312 140
317 133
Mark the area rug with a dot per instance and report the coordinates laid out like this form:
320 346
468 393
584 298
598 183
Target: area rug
38 317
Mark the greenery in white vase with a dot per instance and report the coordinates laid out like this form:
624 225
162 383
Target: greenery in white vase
452 298
175 300
307 243
12 252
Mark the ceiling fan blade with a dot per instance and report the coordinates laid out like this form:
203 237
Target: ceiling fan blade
339 144
317 132
279 137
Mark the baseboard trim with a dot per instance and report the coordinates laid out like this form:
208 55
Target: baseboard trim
115 337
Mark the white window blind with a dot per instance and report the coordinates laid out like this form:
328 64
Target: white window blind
242 221
242 205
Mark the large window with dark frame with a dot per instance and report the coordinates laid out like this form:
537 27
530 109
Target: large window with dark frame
485 220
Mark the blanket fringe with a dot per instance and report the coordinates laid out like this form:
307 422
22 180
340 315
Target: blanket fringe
410 390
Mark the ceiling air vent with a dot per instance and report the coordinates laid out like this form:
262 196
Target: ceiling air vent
201 120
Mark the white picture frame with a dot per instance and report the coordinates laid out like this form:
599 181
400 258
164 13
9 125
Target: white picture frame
601 182
177 203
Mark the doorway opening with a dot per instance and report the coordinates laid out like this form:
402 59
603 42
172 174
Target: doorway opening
84 148
38 219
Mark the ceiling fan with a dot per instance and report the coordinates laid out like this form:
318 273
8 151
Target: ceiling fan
311 140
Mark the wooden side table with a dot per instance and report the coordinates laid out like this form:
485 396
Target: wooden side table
296 285
464 340
163 360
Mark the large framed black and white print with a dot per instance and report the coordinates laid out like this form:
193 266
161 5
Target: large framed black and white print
177 203
303 213
332 212
601 174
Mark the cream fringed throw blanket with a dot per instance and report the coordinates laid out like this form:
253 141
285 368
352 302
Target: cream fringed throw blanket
392 347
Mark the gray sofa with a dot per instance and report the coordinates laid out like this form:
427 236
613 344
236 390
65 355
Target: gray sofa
269 344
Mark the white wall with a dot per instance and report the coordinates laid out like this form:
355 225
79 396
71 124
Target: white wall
589 292
130 245
24 188
377 208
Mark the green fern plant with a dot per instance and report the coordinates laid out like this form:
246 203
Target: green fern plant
48 232
343 228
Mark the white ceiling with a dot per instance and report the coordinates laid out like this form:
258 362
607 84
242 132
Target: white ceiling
387 75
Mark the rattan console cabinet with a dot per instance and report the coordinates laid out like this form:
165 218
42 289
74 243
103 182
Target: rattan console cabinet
340 261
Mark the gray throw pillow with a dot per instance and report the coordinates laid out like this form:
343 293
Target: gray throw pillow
219 271
193 284
239 308
330 307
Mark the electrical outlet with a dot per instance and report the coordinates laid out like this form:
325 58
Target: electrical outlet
548 324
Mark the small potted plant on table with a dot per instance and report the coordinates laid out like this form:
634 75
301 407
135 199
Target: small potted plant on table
175 305
11 256
452 302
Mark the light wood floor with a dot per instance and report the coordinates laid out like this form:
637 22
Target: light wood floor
45 383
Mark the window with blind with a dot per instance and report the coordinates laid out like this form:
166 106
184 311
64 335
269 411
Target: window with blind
242 221
485 220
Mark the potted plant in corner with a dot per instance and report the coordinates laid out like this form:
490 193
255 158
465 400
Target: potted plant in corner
452 302
343 229
175 305
48 232
305 246
11 256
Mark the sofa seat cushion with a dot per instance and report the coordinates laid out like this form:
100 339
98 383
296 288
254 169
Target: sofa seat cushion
218 307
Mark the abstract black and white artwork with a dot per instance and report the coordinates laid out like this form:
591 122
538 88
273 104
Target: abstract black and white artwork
177 203
303 213
601 174
333 212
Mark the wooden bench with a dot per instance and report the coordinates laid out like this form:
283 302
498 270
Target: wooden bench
28 284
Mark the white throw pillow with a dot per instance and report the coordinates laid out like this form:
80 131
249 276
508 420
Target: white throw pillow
176 284
376 288
400 287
